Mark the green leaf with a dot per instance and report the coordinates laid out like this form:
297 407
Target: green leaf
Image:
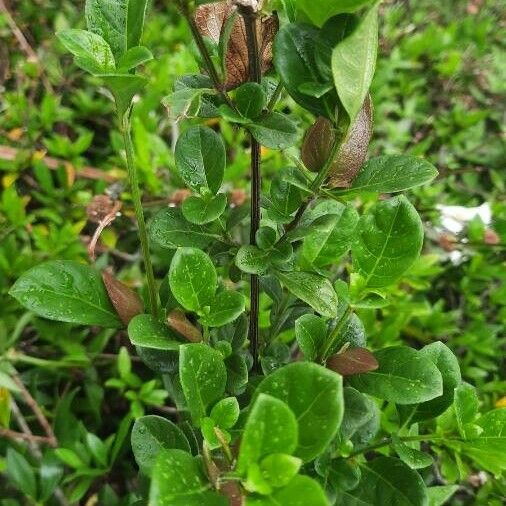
20 473
250 100
295 63
404 376
353 64
70 458
146 331
465 407
252 260
449 368
389 239
310 332
134 57
202 210
360 416
179 480
201 158
412 457
119 22
285 197
150 435
318 11
51 472
316 90
271 427
275 130
226 307
386 480
124 87
301 491
91 52
278 469
390 174
192 278
315 396
203 377
169 229
225 413
327 244
313 289
438 496
66 291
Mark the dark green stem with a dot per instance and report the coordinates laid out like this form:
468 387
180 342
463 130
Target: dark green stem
139 214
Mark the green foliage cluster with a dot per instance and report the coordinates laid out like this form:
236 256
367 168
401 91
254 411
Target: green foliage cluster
326 353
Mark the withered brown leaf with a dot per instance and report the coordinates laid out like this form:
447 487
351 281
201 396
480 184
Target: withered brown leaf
352 361
210 20
178 321
125 301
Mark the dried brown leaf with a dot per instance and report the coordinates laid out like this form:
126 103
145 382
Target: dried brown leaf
126 302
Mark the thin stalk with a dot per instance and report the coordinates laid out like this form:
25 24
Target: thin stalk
250 23
139 214
335 333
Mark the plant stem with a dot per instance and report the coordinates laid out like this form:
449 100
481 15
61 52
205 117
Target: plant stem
335 333
139 213
250 23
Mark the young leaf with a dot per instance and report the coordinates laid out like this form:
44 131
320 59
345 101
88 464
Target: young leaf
201 158
354 62
126 302
360 412
225 413
310 332
252 260
169 229
224 308
144 330
178 479
313 289
390 174
466 406
150 435
124 87
91 52
177 320
201 210
404 376
388 240
352 361
66 291
314 394
192 278
275 130
386 480
250 100
412 457
271 427
134 57
203 377
318 11
278 469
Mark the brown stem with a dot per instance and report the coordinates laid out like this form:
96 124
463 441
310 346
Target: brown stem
101 226
12 434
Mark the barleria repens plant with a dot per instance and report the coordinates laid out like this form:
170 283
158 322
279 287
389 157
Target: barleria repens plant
300 411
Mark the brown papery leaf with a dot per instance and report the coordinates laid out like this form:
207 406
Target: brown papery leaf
352 361
210 20
317 144
125 301
178 321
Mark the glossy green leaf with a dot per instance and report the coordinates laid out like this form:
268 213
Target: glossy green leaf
202 210
66 291
201 158
91 52
391 173
310 332
318 11
275 130
144 330
252 260
313 289
315 396
412 457
134 57
203 377
327 244
386 480
169 229
354 62
404 376
271 427
466 407
226 307
285 197
150 435
449 368
179 480
124 87
438 496
389 239
301 491
192 278
278 469
225 413
250 100
360 412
